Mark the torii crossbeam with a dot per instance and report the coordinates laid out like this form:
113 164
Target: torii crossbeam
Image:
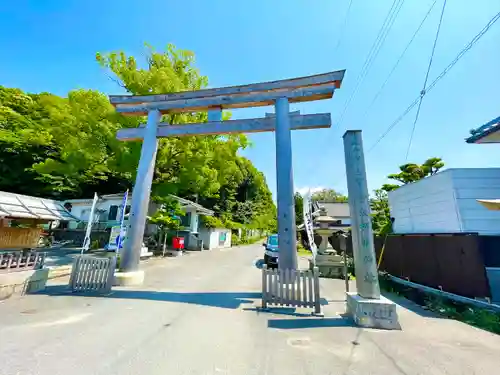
278 93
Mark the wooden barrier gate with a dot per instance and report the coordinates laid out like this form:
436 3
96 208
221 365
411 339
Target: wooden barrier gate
92 274
19 261
296 288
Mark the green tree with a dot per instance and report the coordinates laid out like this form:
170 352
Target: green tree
328 195
299 209
185 166
412 172
381 216
409 173
167 217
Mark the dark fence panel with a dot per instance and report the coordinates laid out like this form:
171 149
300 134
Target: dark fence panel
77 236
452 262
490 250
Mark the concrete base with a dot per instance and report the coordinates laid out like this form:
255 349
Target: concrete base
372 313
128 278
22 282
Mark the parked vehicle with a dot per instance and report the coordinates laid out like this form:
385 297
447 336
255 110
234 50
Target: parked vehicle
271 253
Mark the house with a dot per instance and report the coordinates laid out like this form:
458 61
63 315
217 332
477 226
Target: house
109 209
487 133
447 203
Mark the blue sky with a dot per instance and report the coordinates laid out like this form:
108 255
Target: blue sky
50 45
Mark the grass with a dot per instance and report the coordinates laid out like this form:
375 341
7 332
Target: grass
301 250
472 315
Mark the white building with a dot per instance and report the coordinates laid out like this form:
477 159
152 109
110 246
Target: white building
447 203
110 207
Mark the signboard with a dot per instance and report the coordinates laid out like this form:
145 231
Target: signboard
114 237
308 223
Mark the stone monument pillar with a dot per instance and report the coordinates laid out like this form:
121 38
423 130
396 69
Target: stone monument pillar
366 306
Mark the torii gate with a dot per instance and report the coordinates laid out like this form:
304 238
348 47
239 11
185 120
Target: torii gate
278 93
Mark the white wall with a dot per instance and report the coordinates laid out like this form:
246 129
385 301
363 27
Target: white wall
447 203
210 238
473 184
426 206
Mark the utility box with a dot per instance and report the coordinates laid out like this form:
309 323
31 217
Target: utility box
447 203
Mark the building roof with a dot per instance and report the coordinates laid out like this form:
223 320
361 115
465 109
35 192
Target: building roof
187 203
335 210
119 196
16 206
487 133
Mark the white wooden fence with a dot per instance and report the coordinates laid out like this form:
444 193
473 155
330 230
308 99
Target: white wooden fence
296 288
92 274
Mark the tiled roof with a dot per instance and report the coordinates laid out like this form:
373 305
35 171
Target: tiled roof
335 209
483 131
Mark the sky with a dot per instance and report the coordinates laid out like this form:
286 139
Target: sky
50 46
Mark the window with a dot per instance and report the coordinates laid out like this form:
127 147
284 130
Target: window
113 212
186 220
272 240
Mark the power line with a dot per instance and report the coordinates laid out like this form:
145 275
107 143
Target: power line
342 29
374 50
399 59
439 77
422 93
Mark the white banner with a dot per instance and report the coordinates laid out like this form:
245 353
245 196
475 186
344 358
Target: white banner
86 240
123 230
308 223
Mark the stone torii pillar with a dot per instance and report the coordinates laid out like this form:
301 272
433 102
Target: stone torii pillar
277 93
366 306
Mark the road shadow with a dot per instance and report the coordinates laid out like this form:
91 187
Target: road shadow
226 300
290 311
310 323
260 264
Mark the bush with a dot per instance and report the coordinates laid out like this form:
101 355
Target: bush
235 241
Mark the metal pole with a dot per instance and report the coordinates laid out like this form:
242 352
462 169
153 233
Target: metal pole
284 179
343 247
362 234
140 196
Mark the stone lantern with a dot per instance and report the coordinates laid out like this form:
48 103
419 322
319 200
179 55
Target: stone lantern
328 261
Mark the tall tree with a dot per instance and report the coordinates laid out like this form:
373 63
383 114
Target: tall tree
328 195
409 173
412 172
299 208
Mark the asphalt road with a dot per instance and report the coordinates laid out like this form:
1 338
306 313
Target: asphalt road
197 315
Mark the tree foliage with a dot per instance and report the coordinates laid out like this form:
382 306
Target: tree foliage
328 195
66 147
299 209
412 172
408 173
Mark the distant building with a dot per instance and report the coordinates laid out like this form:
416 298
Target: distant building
110 207
338 211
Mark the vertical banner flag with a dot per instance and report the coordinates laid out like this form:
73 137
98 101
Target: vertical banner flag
86 240
121 236
308 223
